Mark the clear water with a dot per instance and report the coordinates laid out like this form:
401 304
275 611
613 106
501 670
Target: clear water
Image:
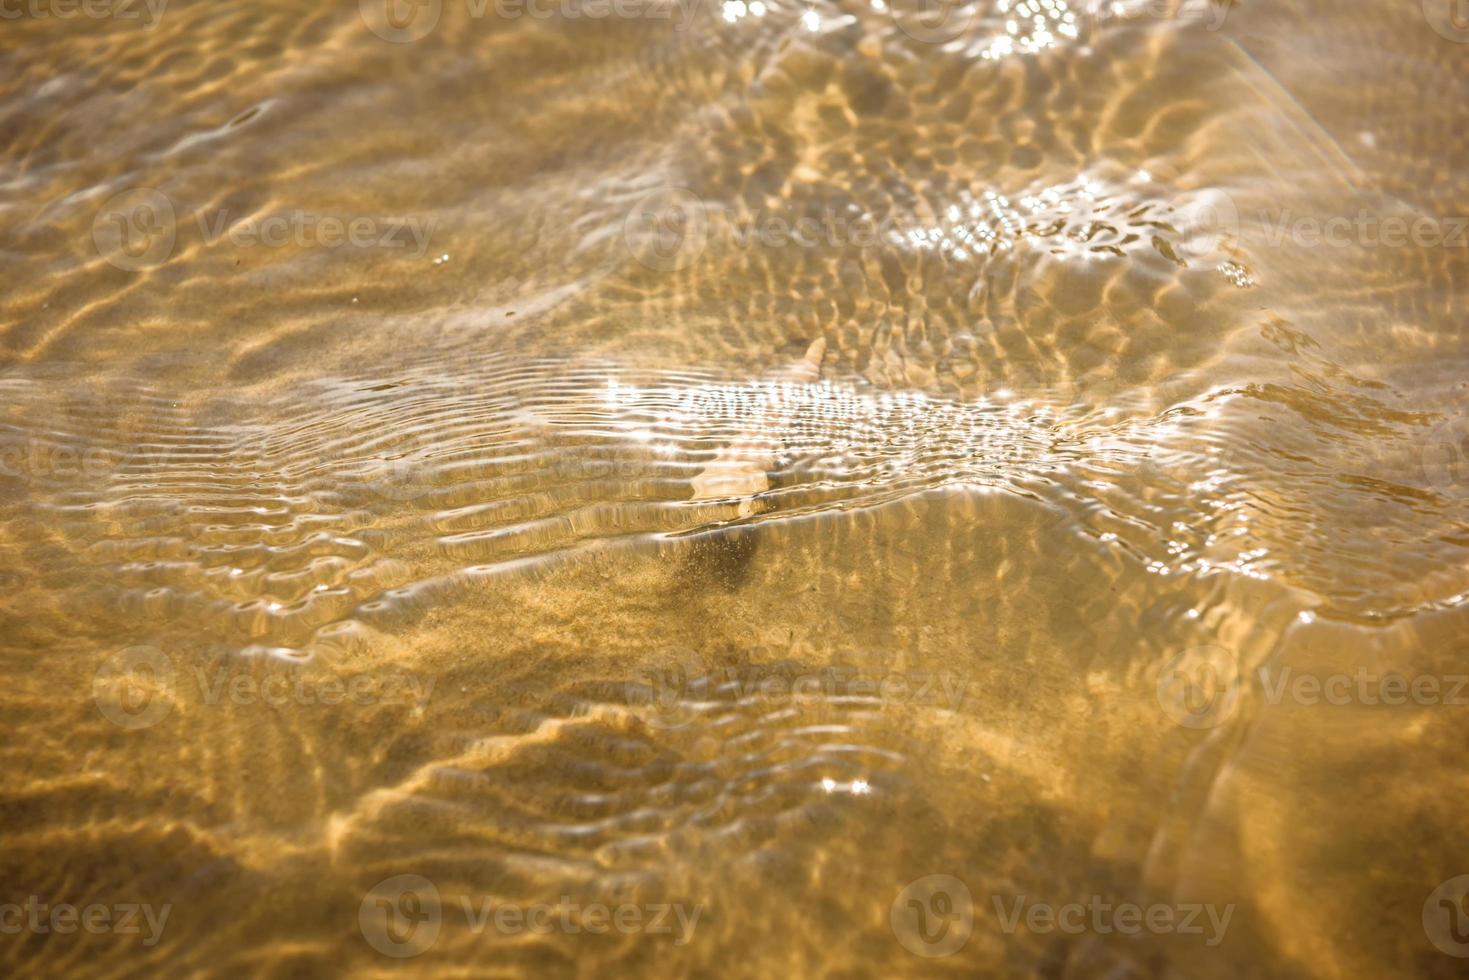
888 487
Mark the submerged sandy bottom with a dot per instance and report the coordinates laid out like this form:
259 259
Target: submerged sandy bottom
807 490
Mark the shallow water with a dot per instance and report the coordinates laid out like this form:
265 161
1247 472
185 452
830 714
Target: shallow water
885 490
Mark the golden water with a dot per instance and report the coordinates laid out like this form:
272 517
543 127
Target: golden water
747 457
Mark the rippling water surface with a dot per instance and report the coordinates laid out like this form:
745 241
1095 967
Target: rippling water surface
747 488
